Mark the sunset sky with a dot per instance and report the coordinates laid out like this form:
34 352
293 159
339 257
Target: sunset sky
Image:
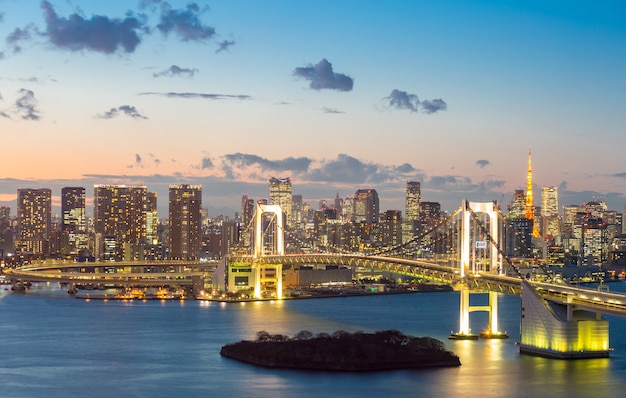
337 95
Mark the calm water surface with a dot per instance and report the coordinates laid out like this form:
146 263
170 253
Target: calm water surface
53 345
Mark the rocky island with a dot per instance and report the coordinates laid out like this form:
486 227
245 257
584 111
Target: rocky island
342 351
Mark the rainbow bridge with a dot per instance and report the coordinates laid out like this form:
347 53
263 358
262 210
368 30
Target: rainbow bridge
557 319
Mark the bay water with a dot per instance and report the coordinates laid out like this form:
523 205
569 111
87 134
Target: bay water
54 345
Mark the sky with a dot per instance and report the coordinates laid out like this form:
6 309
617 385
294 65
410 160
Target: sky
336 95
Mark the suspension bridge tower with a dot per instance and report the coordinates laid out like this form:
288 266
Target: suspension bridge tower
490 241
255 275
268 274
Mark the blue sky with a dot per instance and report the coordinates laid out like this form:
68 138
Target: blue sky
337 95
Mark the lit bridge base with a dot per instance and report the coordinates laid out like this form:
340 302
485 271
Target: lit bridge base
557 330
492 331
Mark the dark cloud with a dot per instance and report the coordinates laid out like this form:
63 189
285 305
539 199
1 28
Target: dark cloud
185 23
242 160
5 115
402 100
137 158
322 76
224 45
26 105
331 110
199 95
482 163
450 182
207 163
346 169
18 36
405 168
433 106
619 175
100 33
176 70
123 110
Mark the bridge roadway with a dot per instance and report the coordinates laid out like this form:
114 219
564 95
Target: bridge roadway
581 298
77 273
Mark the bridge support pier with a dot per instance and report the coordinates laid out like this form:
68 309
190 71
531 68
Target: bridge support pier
555 330
465 332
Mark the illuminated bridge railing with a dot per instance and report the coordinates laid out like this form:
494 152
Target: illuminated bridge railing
403 266
585 299
144 279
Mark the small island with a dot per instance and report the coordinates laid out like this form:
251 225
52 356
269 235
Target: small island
342 351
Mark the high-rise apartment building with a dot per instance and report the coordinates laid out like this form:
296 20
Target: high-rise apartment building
247 210
517 209
550 220
549 201
74 235
6 237
392 228
431 214
366 206
280 194
413 198
120 217
297 209
184 221
152 219
34 213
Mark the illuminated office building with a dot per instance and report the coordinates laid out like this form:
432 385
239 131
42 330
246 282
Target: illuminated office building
366 206
74 237
247 210
34 213
431 214
517 208
120 214
280 194
413 199
550 220
152 219
184 221
392 228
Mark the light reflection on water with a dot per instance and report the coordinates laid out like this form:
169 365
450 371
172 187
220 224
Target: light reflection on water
156 348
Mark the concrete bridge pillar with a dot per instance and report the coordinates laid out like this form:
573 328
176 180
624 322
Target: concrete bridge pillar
555 330
465 332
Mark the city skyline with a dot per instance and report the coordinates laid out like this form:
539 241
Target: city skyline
368 95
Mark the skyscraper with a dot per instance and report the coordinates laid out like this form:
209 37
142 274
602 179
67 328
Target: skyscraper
550 222
413 199
34 212
247 210
152 219
366 206
120 220
74 236
549 201
280 194
431 214
518 205
392 228
184 221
